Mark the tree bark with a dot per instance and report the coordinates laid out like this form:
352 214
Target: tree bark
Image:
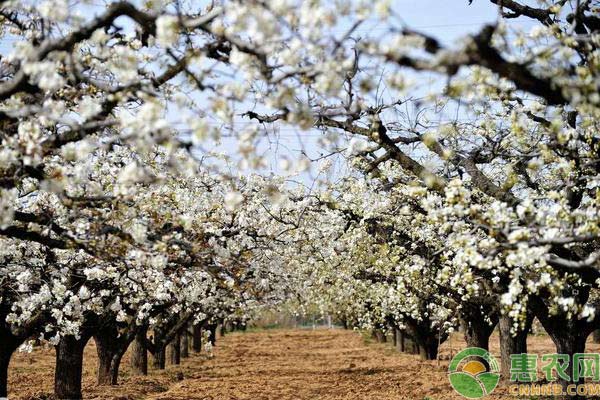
110 347
175 350
8 345
569 334
212 337
511 344
159 357
413 346
139 353
197 338
425 337
185 345
69 365
477 329
428 351
569 344
400 340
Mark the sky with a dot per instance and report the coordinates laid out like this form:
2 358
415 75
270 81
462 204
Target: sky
447 20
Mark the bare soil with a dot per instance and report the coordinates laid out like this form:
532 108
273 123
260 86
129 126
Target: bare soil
272 364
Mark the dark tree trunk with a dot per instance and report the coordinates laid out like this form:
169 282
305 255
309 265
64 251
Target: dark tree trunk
197 338
344 323
223 329
212 337
159 357
428 351
175 350
511 344
400 345
139 353
5 355
185 345
426 338
159 349
394 337
477 330
569 344
69 365
413 346
110 346
8 345
568 334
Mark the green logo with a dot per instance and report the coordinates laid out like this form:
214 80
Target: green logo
474 373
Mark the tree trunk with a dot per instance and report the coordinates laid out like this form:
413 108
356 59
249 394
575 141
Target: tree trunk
212 337
394 337
426 338
175 350
223 329
108 367
69 365
428 348
414 346
400 344
568 343
9 345
197 338
569 334
159 357
478 331
511 344
139 353
110 346
478 321
185 345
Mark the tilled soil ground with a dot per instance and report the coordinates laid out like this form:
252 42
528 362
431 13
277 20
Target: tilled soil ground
272 364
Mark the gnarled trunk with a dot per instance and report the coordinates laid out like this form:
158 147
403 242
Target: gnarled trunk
69 365
139 353
426 337
428 348
569 343
568 334
110 347
479 323
511 343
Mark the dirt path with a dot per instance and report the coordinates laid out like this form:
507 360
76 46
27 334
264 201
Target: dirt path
321 364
